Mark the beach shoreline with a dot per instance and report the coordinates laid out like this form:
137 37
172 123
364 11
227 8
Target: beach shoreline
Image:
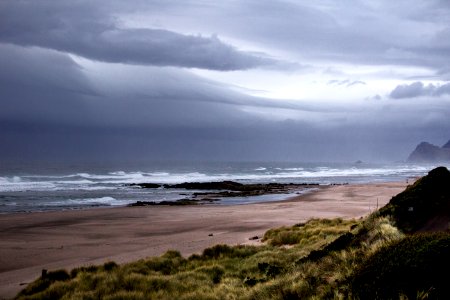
67 239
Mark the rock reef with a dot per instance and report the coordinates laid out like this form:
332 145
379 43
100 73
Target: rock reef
214 191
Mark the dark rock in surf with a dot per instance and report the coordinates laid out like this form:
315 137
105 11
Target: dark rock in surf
146 185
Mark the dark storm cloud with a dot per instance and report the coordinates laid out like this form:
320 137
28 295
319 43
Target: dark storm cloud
48 87
418 89
51 108
45 86
38 84
85 29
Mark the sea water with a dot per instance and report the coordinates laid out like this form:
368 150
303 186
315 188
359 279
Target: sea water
58 186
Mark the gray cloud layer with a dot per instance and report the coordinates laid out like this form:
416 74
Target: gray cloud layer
82 28
361 33
418 89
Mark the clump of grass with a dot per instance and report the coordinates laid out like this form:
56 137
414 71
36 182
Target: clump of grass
225 251
312 231
42 283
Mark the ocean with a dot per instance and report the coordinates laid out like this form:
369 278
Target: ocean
53 186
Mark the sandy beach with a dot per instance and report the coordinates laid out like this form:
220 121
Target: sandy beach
30 242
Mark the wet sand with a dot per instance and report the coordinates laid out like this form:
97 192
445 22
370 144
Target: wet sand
30 242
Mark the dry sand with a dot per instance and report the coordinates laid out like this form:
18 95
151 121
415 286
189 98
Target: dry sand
30 242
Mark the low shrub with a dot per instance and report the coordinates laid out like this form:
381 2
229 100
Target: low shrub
225 251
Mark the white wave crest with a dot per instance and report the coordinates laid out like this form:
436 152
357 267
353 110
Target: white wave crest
101 201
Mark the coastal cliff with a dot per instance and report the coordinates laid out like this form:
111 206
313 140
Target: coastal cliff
426 152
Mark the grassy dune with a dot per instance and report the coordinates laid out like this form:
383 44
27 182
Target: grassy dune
289 266
369 258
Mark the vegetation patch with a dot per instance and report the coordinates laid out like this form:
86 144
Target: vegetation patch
315 230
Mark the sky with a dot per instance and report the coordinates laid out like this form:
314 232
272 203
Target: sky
253 80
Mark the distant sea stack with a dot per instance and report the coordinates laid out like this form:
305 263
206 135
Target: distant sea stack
426 152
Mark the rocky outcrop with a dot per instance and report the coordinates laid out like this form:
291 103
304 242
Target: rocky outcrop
222 185
426 152
213 191
146 185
